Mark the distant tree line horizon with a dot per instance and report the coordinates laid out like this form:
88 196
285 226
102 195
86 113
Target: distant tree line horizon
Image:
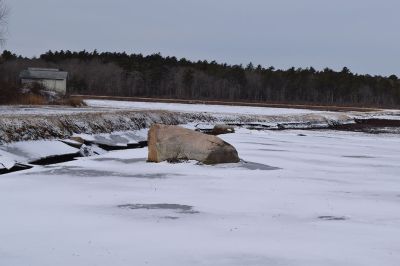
137 75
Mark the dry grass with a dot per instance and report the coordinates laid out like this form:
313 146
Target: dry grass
72 101
35 99
30 99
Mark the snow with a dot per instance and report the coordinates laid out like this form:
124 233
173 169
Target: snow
393 116
329 198
95 106
297 198
201 108
117 138
236 110
7 160
27 151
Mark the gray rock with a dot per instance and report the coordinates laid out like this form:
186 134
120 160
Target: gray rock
222 129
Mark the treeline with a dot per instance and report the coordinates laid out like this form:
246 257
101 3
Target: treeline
121 74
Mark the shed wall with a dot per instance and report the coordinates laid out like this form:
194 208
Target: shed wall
59 86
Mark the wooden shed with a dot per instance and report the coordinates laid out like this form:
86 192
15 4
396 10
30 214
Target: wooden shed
51 78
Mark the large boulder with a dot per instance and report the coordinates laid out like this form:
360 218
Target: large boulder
170 143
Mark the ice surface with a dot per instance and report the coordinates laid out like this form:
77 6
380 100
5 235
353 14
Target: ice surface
313 198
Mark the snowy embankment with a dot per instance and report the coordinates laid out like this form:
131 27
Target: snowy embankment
24 127
22 124
303 199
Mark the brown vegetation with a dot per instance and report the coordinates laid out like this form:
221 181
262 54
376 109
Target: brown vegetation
11 94
73 101
29 99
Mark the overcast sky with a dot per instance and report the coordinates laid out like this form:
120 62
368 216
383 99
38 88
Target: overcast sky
363 35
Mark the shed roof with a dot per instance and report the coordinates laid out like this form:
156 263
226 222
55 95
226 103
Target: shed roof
43 73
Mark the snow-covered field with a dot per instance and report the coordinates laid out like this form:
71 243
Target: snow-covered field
104 105
112 105
227 109
203 108
303 198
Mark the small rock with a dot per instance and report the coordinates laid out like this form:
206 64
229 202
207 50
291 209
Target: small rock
222 129
78 139
87 151
72 143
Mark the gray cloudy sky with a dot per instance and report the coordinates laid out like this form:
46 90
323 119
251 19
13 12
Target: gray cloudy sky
361 34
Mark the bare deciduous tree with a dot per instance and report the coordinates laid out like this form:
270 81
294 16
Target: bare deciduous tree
3 16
